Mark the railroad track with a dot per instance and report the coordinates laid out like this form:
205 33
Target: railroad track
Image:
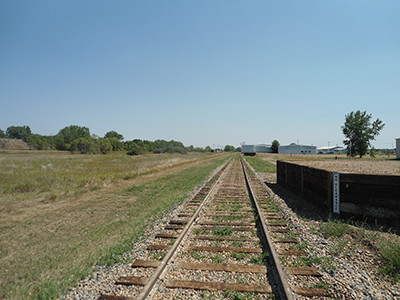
227 242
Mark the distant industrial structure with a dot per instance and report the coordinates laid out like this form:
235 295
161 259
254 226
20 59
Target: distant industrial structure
253 149
398 148
297 149
331 150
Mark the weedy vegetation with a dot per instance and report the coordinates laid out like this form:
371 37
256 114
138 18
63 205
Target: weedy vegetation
62 214
334 228
260 165
351 238
390 254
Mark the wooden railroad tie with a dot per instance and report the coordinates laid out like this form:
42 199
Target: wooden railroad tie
253 229
166 236
226 223
224 238
174 227
291 252
311 292
132 280
159 247
247 216
112 297
142 263
293 241
222 267
178 222
224 249
184 215
218 286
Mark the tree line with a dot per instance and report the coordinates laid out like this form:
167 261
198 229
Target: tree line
76 138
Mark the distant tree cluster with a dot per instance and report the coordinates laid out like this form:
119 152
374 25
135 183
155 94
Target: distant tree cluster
76 138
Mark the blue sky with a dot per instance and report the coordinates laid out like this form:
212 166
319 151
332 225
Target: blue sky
201 72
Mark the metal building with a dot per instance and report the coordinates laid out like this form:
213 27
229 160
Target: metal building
253 149
262 148
297 149
248 150
398 148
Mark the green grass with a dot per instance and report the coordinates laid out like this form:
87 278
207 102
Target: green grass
388 250
390 254
48 245
334 228
239 256
225 231
217 259
325 262
260 165
320 285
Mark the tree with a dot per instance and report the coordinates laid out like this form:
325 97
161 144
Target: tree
69 134
84 145
19 132
2 134
274 146
207 149
114 134
359 132
104 145
116 144
229 148
40 142
135 149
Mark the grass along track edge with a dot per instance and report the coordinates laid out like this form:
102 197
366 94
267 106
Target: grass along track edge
55 253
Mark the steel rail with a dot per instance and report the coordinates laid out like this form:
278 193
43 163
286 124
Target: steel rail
163 264
281 278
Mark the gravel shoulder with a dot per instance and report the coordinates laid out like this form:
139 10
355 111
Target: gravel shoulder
350 264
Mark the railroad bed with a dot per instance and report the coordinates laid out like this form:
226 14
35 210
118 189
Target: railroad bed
227 242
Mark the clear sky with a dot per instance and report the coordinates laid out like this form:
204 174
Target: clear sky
201 72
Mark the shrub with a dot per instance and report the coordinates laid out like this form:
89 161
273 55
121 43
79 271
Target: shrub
135 149
85 146
104 145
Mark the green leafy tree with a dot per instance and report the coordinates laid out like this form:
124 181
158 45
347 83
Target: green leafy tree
69 134
40 142
274 146
207 149
229 148
116 144
238 149
135 149
359 132
85 145
104 145
19 132
114 134
2 134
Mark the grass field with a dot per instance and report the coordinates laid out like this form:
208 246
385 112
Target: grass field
260 165
61 214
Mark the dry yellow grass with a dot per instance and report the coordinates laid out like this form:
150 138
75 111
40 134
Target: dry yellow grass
60 213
